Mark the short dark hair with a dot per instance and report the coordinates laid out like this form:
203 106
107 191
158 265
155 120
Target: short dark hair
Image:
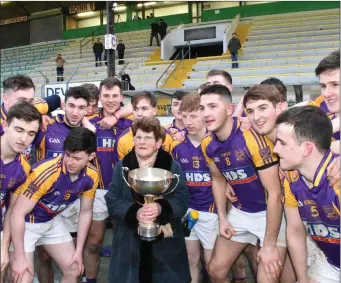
280 86
151 124
179 94
234 33
80 139
144 95
221 90
17 82
78 92
109 83
329 63
310 124
222 73
24 111
262 92
92 90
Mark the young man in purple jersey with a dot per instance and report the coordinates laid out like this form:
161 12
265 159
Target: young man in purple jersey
51 187
312 205
22 124
21 88
246 160
198 180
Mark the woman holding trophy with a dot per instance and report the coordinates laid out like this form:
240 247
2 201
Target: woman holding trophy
148 197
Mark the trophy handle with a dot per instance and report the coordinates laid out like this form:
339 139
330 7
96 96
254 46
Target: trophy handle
125 169
177 176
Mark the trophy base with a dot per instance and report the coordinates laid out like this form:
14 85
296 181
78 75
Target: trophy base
149 232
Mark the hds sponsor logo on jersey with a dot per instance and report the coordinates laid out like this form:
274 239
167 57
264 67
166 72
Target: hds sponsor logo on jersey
105 144
323 232
198 179
241 175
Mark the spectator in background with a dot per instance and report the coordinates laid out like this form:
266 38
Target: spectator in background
162 29
60 67
136 18
154 33
98 50
151 15
234 46
127 85
120 50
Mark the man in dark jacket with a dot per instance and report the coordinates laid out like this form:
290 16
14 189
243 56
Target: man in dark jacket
154 33
120 51
162 29
98 50
234 46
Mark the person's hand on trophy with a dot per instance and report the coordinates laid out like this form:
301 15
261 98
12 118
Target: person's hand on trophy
148 213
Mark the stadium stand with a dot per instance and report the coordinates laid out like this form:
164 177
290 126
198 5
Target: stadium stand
275 47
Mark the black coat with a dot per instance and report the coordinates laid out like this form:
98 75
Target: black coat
234 45
135 261
120 48
98 47
163 28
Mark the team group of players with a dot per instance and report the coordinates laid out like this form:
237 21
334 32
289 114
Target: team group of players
246 154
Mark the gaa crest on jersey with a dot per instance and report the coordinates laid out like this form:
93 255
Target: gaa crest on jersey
239 154
11 182
265 152
330 212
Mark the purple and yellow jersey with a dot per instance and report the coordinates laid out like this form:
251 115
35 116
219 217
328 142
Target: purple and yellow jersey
106 139
44 106
49 183
125 144
197 174
51 143
319 102
12 176
239 158
172 128
319 208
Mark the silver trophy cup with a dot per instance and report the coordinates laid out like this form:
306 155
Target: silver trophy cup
150 183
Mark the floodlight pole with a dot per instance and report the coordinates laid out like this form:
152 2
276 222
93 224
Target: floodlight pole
110 30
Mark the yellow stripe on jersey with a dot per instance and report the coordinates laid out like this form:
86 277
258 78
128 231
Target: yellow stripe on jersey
261 148
101 183
27 168
322 170
41 150
125 144
167 143
289 198
317 102
93 174
41 105
41 179
206 140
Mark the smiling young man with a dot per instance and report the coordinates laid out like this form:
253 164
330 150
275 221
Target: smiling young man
312 206
22 124
51 187
144 105
198 180
246 160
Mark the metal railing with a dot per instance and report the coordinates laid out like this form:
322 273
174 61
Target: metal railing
72 75
90 37
188 44
46 78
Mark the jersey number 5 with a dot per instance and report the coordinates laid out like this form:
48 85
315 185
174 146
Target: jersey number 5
314 212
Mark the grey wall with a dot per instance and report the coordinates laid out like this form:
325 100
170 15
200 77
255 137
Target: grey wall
15 35
46 29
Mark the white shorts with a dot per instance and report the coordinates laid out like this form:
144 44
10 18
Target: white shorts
70 216
100 212
312 251
205 230
48 233
250 227
322 271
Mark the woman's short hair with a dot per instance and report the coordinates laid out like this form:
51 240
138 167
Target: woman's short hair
150 125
